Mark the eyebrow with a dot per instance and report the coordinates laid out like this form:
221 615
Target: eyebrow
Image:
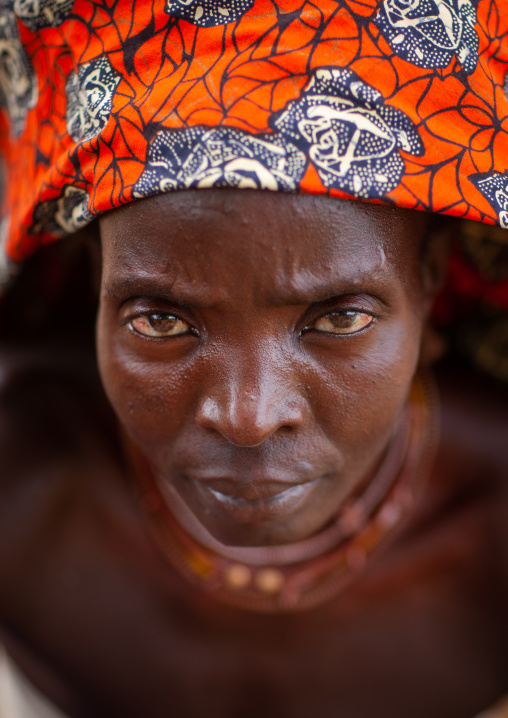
301 293
310 289
311 294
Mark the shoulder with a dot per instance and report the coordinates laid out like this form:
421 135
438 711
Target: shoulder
457 539
465 504
51 406
469 491
474 416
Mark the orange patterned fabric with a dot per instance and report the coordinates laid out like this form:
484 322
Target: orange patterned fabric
104 101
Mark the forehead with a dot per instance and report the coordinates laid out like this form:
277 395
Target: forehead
205 237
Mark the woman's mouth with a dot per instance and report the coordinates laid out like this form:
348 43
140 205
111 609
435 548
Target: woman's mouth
259 501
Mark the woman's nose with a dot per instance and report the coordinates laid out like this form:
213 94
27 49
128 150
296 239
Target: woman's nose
251 404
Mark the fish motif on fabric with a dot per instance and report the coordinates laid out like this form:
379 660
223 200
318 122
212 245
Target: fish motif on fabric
38 14
429 33
65 214
220 157
18 82
89 98
494 187
350 135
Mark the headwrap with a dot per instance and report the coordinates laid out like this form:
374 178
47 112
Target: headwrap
402 102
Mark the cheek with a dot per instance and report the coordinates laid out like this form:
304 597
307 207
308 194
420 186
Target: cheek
151 399
359 394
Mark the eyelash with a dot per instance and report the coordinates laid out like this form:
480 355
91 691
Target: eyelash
342 311
127 321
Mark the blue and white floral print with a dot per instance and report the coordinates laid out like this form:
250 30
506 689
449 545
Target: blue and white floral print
36 14
349 134
18 83
494 188
207 13
89 98
429 33
220 157
65 214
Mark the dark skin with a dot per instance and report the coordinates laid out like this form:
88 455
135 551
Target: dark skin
252 383
257 361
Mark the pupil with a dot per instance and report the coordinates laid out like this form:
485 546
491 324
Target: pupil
162 322
343 321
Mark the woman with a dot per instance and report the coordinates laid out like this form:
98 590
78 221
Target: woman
275 516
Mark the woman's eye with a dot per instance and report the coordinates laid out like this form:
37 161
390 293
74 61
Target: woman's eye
159 325
345 322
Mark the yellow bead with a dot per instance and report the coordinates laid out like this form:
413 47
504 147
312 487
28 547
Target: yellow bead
389 515
269 580
237 576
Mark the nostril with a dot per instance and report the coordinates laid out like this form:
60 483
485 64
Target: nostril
208 413
248 418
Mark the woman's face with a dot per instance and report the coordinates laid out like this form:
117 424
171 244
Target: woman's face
258 348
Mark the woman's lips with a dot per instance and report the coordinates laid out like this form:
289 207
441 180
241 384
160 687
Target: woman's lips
257 501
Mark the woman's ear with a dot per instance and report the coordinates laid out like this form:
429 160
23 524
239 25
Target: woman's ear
433 346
